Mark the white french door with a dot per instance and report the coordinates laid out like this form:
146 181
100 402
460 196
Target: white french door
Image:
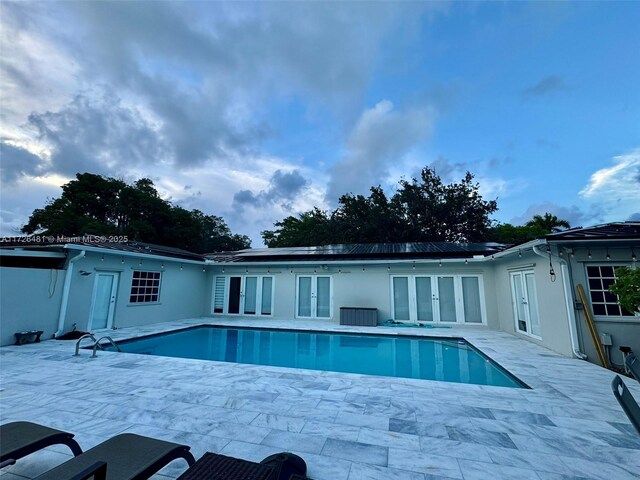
438 298
525 303
243 295
103 301
314 296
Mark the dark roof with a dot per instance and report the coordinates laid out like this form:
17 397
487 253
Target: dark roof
94 241
360 251
607 231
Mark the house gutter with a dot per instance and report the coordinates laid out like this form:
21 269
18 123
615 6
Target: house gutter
568 297
65 293
418 261
124 253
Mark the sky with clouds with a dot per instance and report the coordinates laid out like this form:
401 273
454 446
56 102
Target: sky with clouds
257 111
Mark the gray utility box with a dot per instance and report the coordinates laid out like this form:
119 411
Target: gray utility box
365 317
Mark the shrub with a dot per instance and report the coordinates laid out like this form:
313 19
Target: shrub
627 288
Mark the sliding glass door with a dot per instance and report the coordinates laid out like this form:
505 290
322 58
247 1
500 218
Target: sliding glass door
314 296
437 298
243 295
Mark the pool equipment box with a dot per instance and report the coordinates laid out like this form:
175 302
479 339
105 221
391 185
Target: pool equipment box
363 317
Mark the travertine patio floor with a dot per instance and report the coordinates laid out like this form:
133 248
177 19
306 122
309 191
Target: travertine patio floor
346 426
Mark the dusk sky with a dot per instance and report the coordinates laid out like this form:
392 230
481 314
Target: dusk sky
257 111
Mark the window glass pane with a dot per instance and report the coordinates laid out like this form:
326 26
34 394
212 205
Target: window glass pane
250 293
597 296
447 300
471 300
518 298
401 298
613 310
304 296
234 295
595 284
599 309
424 299
606 271
593 271
267 285
532 303
323 297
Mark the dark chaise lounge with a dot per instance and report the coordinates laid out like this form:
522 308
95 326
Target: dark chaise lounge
19 439
626 401
128 457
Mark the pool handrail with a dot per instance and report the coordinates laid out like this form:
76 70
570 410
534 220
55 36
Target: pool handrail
86 335
97 344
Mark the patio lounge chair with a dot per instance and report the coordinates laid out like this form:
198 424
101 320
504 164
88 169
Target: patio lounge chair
127 456
626 401
633 364
19 439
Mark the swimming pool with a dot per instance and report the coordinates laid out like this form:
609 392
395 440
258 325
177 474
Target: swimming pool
430 358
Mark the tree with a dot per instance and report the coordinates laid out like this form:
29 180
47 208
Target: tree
421 210
537 227
627 288
514 234
94 205
434 211
309 228
548 222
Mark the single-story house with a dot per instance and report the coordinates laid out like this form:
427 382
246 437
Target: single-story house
528 290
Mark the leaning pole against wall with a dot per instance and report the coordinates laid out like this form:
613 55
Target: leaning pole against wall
592 326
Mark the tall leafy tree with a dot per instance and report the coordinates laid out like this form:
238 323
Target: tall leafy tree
537 227
548 222
424 209
95 205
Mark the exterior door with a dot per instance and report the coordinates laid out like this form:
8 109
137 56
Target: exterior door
314 296
437 298
103 302
525 303
245 295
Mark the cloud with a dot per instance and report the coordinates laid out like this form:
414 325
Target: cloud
283 187
572 214
546 86
97 134
380 137
16 162
619 182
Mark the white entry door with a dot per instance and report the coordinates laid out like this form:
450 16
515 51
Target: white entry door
525 303
103 302
314 296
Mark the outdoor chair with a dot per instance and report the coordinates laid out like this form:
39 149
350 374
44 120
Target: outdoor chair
19 439
213 466
127 457
626 401
633 364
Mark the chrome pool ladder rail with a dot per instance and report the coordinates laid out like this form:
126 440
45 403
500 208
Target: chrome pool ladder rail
97 344
86 335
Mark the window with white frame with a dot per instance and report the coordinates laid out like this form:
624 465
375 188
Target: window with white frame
603 302
145 287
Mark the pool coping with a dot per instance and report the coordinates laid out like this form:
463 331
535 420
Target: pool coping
519 382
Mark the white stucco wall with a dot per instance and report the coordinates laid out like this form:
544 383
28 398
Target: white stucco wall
29 300
554 324
623 330
183 293
353 287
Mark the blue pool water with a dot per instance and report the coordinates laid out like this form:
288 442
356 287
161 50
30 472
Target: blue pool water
449 360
